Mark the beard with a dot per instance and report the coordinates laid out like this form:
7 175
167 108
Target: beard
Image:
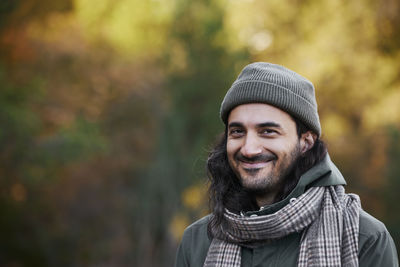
259 181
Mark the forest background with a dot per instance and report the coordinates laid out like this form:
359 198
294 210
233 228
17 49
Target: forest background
109 108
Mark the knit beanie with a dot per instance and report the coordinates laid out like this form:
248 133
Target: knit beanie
275 85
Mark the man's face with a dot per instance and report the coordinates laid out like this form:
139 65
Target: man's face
262 146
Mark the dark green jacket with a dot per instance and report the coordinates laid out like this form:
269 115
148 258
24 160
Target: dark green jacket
376 246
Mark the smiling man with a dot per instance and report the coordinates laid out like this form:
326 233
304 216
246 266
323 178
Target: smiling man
262 148
277 199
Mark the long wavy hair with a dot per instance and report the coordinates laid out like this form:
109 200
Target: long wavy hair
226 191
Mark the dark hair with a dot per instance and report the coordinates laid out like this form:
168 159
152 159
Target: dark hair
226 191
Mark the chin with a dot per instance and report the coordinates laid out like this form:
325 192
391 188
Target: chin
254 184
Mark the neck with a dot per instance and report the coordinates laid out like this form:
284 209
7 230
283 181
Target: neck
270 196
266 199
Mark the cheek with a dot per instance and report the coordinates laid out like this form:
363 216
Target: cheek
282 149
231 148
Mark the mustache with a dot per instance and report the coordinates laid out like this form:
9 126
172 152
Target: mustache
257 158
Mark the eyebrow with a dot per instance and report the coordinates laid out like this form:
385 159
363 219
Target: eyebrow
235 124
260 125
269 124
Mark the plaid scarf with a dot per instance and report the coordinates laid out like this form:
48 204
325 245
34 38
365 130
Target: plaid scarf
328 218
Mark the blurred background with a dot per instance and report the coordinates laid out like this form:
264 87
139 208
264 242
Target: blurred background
109 108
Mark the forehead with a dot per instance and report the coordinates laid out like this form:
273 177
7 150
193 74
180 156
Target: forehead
256 113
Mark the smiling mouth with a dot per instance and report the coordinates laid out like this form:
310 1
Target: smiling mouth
254 165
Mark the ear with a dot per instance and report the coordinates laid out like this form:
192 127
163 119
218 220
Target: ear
307 141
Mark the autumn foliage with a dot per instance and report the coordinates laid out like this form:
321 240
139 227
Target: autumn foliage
108 109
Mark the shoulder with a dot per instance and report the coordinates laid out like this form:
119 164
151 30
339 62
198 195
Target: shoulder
200 224
195 243
370 226
376 246
196 233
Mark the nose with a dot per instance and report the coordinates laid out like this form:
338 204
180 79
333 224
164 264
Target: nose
251 146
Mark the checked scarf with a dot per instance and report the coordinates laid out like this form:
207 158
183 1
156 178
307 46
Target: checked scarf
328 218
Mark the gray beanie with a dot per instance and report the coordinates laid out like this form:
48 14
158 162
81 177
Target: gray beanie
275 85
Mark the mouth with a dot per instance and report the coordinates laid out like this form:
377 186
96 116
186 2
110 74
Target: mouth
254 165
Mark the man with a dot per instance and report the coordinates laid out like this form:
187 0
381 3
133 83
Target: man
277 199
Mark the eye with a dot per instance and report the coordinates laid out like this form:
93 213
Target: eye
236 132
268 132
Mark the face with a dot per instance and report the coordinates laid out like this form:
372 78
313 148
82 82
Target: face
262 146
